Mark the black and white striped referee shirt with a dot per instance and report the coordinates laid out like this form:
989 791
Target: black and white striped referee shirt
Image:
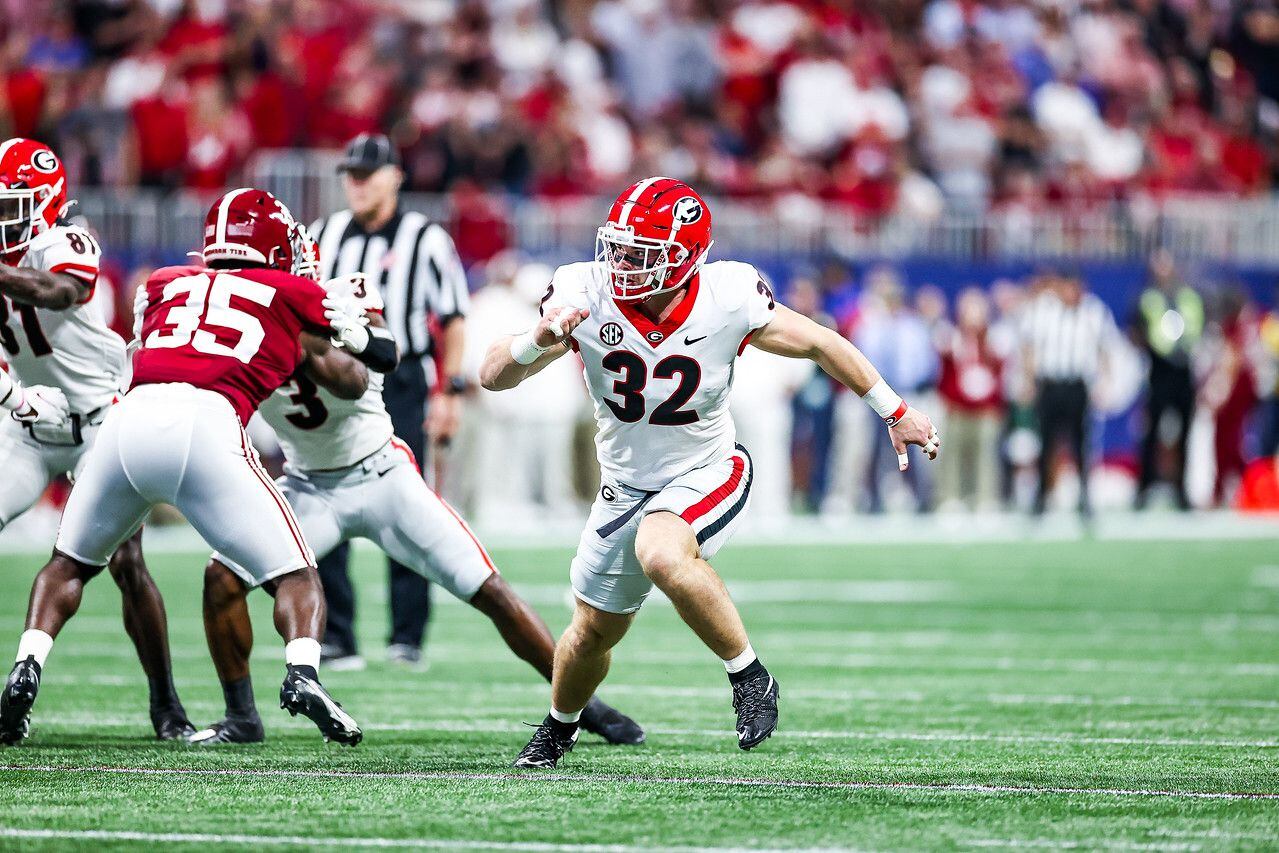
414 263
1065 341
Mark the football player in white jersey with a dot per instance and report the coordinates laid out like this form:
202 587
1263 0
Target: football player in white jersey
58 345
658 333
347 475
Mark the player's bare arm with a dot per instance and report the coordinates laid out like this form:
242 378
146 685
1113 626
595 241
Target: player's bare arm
444 414
513 358
52 290
796 336
333 369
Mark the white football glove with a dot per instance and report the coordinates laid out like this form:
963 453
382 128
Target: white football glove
42 405
140 302
348 322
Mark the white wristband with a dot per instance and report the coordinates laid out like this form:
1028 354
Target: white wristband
525 350
885 401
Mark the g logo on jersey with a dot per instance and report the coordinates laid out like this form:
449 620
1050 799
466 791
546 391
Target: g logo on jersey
611 334
687 210
607 493
44 161
655 337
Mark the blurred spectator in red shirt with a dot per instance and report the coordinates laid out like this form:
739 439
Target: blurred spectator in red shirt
158 136
971 388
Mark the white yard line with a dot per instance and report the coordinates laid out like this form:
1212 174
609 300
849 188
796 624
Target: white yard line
451 652
711 781
91 721
940 697
344 842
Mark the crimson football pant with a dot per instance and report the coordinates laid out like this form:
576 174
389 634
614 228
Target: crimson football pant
405 394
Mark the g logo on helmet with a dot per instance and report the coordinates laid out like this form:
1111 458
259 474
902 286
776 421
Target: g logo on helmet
44 161
611 334
687 210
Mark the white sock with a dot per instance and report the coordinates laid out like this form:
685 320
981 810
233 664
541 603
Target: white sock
34 643
304 651
740 662
565 717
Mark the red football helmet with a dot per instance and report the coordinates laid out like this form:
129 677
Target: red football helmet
657 235
253 226
33 193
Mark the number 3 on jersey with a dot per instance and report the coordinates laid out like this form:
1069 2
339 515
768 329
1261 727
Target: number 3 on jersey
208 306
633 377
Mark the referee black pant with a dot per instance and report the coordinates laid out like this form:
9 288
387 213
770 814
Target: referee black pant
1171 391
1062 409
405 393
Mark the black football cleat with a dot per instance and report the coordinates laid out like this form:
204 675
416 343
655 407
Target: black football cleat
171 723
302 694
610 724
755 701
16 701
230 730
551 740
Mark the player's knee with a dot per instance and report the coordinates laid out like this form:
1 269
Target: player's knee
595 631
127 567
62 569
661 551
221 586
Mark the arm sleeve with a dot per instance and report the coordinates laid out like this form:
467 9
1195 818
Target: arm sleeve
73 252
442 264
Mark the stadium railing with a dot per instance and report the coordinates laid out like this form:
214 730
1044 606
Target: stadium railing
1243 232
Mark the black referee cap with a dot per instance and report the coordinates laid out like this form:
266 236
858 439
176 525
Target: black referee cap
368 152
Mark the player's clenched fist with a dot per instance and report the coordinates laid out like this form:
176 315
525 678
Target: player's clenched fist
557 325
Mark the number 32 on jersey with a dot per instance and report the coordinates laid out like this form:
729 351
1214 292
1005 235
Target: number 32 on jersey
633 378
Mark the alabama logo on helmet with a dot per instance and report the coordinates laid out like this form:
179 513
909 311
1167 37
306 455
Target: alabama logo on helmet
687 210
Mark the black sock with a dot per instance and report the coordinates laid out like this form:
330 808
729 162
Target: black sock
239 698
163 693
561 725
302 669
753 669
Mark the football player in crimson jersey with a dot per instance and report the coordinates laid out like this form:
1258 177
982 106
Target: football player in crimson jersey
57 343
215 340
658 332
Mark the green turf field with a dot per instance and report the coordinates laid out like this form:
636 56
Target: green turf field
1039 695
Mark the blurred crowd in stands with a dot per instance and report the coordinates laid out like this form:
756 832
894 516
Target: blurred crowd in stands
906 106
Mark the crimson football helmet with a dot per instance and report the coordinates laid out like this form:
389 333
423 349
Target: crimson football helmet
253 226
33 193
657 235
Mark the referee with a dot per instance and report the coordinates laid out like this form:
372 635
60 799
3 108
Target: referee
417 268
1065 333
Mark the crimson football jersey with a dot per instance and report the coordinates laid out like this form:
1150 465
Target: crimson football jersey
234 332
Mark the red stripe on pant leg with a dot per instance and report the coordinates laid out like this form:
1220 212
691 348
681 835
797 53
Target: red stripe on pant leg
485 554
289 521
718 496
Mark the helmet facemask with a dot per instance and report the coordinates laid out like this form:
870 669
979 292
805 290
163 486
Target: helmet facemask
20 211
639 267
306 254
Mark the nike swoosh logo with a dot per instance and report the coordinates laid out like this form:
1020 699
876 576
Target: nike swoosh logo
688 342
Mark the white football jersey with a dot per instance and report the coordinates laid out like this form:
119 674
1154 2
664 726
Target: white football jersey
318 430
661 390
72 350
